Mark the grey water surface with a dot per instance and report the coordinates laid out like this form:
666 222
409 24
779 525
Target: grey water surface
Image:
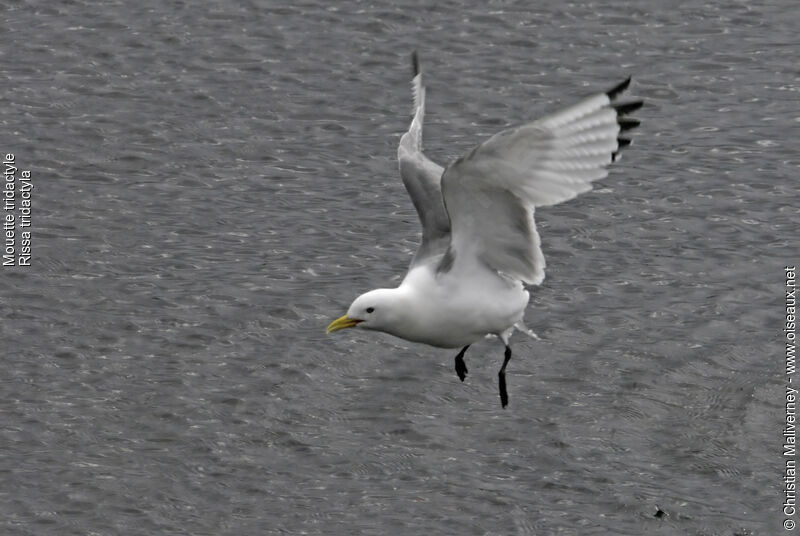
216 181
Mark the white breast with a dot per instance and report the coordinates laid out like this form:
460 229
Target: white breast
443 312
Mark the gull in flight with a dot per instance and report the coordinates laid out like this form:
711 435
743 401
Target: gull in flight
480 248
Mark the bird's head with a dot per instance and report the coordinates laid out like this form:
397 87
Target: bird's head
376 310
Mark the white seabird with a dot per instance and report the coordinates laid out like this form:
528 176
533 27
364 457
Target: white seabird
479 245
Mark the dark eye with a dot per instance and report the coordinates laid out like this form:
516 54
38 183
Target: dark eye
370 309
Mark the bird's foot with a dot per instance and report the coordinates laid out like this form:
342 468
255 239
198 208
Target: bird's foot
503 392
501 376
461 366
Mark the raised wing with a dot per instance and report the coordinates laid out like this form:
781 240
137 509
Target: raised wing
491 193
422 179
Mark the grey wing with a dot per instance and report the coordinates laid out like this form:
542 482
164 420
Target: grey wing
422 179
491 193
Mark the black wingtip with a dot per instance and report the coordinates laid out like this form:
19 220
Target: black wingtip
415 62
627 123
619 88
621 142
627 107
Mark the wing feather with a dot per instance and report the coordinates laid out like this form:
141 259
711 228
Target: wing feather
490 195
422 179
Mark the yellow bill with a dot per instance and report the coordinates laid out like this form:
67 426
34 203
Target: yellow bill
342 323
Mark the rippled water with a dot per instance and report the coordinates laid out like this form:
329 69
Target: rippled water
215 181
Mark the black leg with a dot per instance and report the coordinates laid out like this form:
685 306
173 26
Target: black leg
461 367
502 376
